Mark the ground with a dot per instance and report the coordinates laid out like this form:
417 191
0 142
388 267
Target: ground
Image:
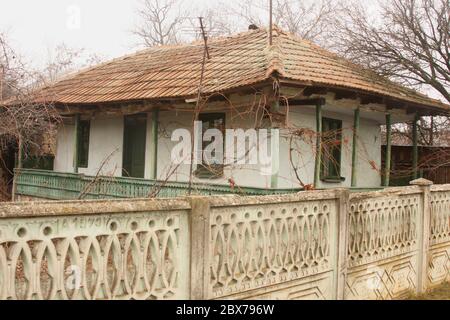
440 293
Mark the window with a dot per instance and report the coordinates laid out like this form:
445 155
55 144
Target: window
134 141
331 150
210 121
84 127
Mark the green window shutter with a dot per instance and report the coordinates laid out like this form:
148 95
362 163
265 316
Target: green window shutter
331 149
135 132
83 143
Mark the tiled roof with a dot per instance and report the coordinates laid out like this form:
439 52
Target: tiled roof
236 61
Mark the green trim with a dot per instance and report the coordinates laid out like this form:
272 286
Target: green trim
75 143
134 145
317 167
333 179
64 186
354 146
415 147
154 147
387 159
330 160
83 137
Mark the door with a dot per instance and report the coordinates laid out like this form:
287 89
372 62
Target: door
135 131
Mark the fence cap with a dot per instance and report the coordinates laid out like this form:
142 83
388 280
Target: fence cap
421 182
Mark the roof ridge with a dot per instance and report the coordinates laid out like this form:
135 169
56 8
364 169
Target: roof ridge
237 60
274 53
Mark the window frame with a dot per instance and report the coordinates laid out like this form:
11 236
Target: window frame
202 171
330 159
84 132
127 154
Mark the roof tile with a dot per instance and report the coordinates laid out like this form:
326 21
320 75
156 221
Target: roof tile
239 60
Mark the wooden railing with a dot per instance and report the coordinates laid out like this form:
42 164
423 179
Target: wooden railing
65 186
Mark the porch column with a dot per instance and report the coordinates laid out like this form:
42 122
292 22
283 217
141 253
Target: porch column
318 142
415 159
387 156
18 164
75 142
354 146
154 145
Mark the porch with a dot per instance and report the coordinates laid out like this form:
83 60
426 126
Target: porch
51 185
46 184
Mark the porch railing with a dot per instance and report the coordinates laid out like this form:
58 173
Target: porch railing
65 186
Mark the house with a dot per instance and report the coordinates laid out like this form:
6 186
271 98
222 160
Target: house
323 114
433 160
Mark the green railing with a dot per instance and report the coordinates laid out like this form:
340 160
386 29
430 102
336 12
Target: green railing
64 186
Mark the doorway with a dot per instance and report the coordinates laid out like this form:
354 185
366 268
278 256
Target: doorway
135 131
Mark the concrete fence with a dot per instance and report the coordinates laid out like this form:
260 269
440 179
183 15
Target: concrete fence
312 245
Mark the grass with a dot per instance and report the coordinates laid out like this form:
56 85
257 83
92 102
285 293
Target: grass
441 292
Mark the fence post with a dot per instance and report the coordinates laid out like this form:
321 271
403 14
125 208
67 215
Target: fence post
423 229
199 252
340 267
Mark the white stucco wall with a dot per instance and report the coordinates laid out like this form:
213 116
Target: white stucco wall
244 175
64 149
106 138
368 169
105 142
368 151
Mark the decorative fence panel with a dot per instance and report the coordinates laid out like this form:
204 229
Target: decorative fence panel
273 250
98 250
439 255
382 245
328 244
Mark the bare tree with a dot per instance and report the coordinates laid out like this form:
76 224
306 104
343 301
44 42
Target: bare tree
310 20
21 113
167 22
23 120
160 22
63 59
216 23
408 43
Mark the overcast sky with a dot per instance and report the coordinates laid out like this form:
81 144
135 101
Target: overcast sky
100 26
